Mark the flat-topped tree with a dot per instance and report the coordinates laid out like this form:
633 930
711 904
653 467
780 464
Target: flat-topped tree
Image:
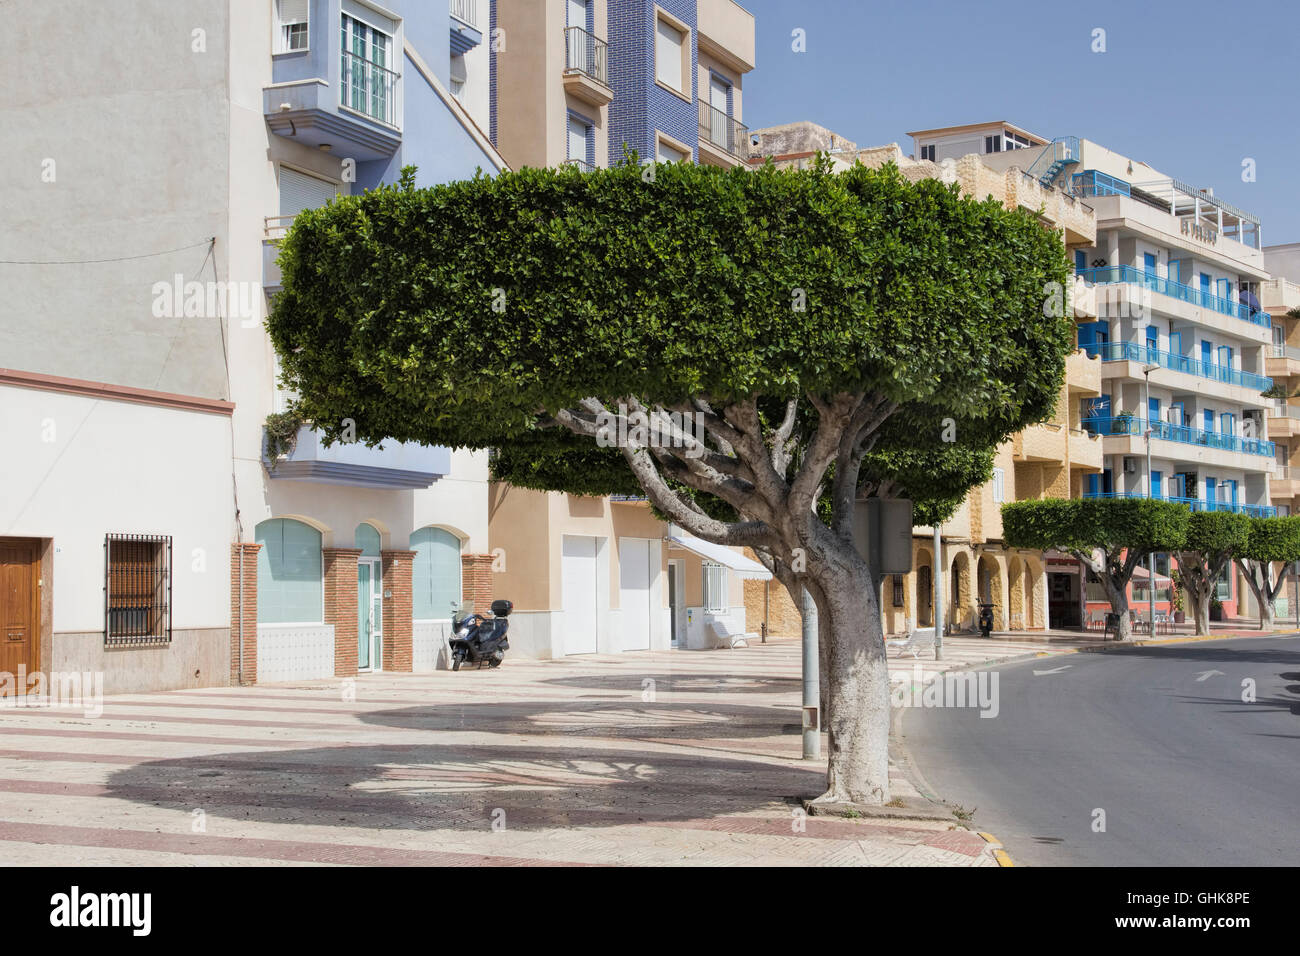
1111 536
1271 540
1214 538
792 313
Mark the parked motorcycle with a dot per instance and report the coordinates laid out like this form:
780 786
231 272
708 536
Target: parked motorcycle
480 640
986 620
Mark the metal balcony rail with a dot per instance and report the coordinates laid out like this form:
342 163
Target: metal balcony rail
369 88
586 54
1284 411
723 131
466 11
1133 352
1185 434
1196 504
1287 472
1285 351
581 165
1111 275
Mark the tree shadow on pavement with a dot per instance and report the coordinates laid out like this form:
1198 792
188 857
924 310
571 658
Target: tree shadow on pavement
684 683
438 786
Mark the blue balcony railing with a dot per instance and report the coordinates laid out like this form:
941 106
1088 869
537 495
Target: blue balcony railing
1132 352
1132 425
1177 290
1196 504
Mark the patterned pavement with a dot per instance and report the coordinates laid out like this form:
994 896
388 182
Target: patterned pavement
653 758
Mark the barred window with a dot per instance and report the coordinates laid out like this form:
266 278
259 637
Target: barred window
715 587
898 590
137 589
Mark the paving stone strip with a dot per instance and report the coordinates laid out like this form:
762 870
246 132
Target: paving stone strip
574 762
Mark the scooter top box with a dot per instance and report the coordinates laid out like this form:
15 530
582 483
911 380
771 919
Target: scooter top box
501 608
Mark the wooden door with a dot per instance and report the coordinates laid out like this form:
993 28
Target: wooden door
20 630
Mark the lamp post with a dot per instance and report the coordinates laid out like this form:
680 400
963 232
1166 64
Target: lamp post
1151 557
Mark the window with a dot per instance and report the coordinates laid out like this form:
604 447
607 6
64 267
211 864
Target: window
898 590
666 152
715 587
671 50
298 191
999 489
137 589
1175 271
291 25
992 144
289 579
582 145
927 152
367 84
435 574
1223 587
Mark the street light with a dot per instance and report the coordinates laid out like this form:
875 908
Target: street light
1151 557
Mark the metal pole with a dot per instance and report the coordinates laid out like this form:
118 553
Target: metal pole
1151 558
937 573
812 685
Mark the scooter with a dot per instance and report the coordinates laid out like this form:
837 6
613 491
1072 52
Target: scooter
986 620
480 640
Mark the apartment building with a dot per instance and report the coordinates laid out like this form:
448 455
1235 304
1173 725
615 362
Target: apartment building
1051 459
1175 277
577 81
1280 298
145 526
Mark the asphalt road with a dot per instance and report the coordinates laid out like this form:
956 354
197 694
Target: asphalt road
1158 738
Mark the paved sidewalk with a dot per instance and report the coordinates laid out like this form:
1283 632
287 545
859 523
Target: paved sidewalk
643 758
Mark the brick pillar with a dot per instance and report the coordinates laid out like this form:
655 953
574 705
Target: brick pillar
247 619
341 606
476 580
397 610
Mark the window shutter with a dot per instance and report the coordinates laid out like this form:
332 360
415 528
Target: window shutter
299 191
668 55
292 11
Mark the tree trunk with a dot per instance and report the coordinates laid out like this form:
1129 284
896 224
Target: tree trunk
1201 609
1118 598
858 673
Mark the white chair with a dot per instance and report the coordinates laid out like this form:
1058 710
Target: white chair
727 636
919 640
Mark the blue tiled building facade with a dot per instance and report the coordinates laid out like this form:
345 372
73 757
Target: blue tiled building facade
640 105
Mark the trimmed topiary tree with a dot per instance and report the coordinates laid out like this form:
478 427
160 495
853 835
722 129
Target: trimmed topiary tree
1111 536
826 335
1271 540
1214 538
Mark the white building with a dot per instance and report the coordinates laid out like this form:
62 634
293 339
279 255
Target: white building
137 246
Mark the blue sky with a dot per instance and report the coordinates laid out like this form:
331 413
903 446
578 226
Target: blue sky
1191 87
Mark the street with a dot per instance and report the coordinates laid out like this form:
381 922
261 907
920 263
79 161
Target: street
1156 743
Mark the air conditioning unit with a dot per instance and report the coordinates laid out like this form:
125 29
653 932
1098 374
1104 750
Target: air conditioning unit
1130 466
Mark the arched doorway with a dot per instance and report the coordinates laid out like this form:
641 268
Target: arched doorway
960 600
989 579
924 597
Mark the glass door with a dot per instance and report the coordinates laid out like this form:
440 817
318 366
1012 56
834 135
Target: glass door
370 610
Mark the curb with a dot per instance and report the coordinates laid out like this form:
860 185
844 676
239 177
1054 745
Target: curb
999 854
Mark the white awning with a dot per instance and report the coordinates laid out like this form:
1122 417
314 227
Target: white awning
720 554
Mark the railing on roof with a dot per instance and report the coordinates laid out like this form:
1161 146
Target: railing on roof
1196 504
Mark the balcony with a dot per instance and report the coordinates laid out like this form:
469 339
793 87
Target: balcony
1184 434
1085 450
586 71
726 32
1196 504
1284 421
1082 374
1131 276
466 31
581 165
1285 483
1132 352
390 465
273 231
1282 361
725 136
1044 442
